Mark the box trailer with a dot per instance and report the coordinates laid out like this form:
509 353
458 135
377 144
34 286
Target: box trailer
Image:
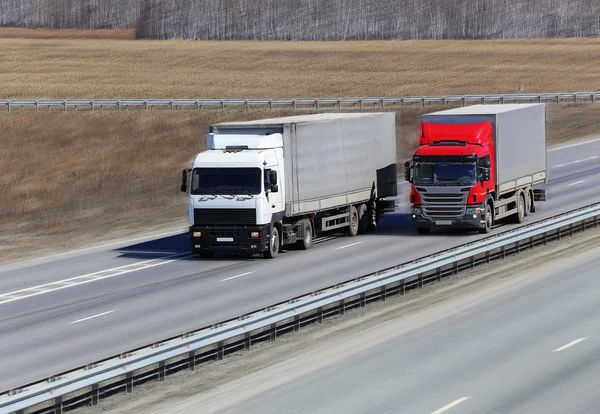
478 164
266 184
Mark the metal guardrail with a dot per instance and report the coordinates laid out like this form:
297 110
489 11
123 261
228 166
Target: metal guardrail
88 384
293 104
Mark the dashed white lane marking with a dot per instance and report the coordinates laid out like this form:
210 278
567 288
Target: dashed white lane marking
449 406
574 145
576 183
570 344
236 276
577 161
559 165
349 245
90 277
91 317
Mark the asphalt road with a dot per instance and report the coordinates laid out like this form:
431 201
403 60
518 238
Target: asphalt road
533 349
65 311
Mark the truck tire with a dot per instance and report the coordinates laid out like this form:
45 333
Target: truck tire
423 230
363 219
528 203
489 220
274 243
520 215
353 224
306 242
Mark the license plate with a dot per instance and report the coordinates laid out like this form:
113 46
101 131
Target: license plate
224 239
444 222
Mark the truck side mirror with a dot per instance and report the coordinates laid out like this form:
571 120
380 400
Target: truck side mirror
273 177
184 175
407 171
274 188
485 162
485 174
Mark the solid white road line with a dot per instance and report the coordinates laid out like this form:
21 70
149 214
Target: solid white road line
349 245
570 344
574 145
449 406
235 277
576 183
90 277
91 317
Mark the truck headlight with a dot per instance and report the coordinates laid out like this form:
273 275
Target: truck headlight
197 234
474 210
255 234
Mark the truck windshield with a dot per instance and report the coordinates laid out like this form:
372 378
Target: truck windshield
230 181
445 173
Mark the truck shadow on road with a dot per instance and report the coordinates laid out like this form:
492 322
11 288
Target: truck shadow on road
157 248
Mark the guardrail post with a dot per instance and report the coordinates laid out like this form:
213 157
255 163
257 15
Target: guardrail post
593 98
363 300
518 247
270 104
192 360
37 106
317 104
58 405
595 221
576 98
383 293
421 281
162 372
382 103
273 330
65 105
464 101
145 105
294 104
296 323
503 252
129 382
223 105
220 351
247 105
248 341
95 394
402 289
423 101
539 98
342 305
320 315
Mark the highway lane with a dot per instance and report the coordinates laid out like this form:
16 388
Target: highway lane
167 297
528 349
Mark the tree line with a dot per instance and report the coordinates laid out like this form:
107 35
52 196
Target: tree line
316 19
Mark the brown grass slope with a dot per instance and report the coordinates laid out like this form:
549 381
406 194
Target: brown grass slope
106 68
71 179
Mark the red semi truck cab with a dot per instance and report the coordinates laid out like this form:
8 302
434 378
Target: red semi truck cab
459 177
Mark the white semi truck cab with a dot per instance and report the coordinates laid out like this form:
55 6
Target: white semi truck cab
263 185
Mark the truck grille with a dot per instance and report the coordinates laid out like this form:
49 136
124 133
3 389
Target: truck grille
444 205
227 216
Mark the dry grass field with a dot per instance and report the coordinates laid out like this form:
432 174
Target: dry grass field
35 65
65 176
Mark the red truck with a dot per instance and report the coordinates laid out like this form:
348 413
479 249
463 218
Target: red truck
476 165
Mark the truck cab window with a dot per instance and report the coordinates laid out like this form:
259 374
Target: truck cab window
226 181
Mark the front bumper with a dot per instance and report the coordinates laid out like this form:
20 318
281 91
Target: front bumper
229 239
468 221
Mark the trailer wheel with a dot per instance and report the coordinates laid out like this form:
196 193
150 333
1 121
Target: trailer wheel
273 244
306 242
489 219
353 225
363 219
520 216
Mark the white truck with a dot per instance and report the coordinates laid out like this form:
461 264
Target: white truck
267 184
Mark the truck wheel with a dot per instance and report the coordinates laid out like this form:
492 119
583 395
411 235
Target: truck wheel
528 204
273 245
353 225
520 216
306 242
206 255
423 230
489 219
363 219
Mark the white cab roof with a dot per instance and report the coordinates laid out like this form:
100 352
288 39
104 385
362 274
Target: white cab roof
483 109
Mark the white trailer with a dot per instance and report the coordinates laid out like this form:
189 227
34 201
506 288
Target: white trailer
262 185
